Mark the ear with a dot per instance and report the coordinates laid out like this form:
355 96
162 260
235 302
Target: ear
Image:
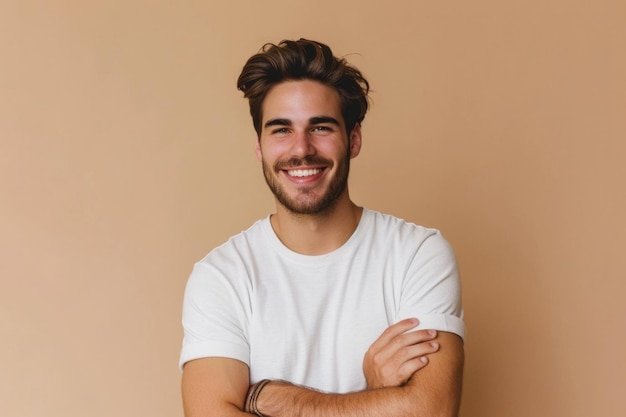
257 149
355 140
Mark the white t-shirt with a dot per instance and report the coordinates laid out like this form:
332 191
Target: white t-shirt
310 319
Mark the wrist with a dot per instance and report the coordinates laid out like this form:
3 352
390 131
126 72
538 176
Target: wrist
273 400
250 405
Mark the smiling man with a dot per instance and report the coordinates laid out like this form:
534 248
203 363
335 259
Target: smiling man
305 144
323 308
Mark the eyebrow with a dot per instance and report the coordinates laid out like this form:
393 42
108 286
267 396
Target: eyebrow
323 119
277 122
313 120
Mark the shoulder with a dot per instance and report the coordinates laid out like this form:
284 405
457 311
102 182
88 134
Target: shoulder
239 253
228 266
405 239
398 228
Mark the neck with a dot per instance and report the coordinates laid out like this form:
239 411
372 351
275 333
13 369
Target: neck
317 234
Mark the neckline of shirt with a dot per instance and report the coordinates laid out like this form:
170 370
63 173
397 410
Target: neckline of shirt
283 250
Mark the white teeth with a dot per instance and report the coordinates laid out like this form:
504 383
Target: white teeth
303 172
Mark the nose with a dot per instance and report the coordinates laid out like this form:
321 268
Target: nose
302 145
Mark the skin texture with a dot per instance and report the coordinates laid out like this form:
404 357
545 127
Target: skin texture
305 153
214 387
397 354
297 132
217 386
433 391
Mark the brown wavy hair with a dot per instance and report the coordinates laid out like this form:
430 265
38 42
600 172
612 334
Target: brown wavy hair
303 60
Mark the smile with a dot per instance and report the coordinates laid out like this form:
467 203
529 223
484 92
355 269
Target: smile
304 172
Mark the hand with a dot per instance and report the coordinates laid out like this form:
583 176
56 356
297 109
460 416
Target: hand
396 355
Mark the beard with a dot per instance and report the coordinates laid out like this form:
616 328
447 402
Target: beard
307 201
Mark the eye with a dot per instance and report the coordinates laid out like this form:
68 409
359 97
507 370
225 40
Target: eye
280 131
321 129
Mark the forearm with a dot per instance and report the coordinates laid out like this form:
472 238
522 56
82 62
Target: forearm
214 387
216 410
198 403
281 399
434 391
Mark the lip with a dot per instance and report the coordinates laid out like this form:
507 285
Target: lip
307 179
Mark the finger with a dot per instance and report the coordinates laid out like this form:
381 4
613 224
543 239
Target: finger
408 369
412 352
388 343
412 359
397 338
417 336
394 331
401 342
398 368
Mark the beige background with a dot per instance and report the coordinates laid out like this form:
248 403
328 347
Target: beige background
126 154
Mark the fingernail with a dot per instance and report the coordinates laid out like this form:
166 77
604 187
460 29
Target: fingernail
435 345
432 332
424 359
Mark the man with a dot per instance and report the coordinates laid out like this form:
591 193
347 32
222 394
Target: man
324 308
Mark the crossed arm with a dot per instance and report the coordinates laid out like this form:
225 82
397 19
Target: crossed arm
218 386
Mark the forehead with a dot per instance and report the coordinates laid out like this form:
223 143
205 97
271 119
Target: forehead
300 100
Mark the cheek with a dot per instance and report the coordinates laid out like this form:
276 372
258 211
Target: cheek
332 147
338 151
268 157
270 153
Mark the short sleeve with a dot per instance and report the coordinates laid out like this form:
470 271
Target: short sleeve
431 290
214 317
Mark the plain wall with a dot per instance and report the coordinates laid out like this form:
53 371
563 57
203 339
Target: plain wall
126 154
